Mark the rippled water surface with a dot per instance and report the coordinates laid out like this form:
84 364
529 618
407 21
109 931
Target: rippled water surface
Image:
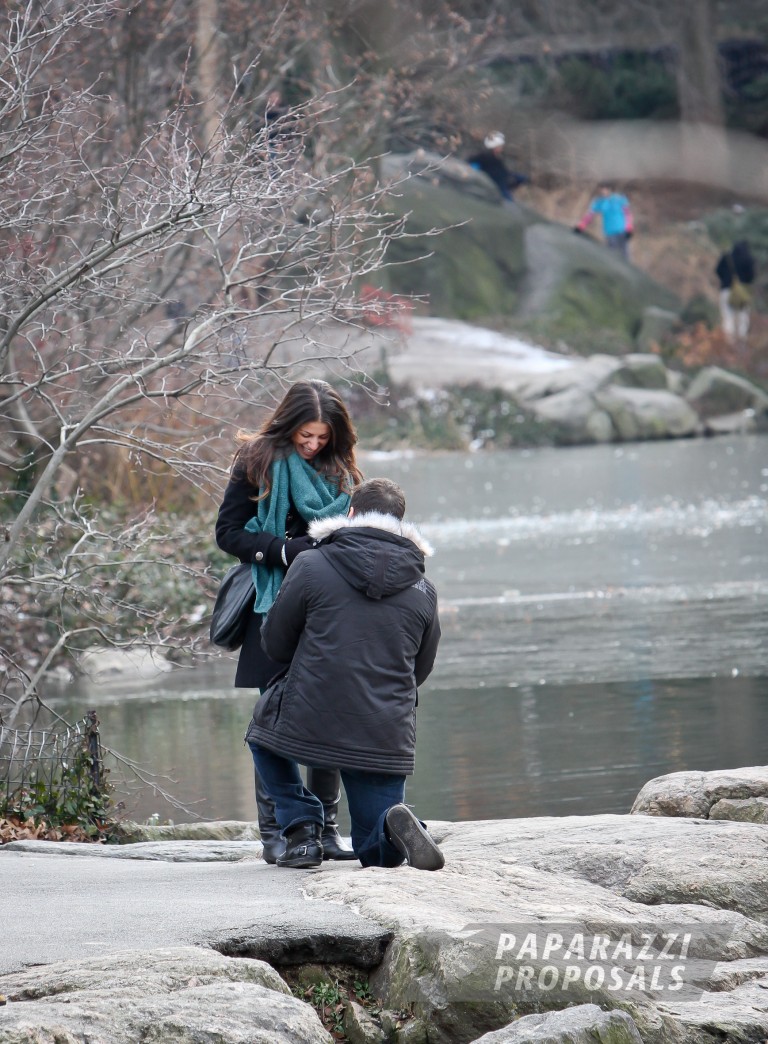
604 621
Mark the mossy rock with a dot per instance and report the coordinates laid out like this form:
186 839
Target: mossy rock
457 417
496 261
578 287
656 328
473 270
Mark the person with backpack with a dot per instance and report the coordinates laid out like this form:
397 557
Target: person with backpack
735 271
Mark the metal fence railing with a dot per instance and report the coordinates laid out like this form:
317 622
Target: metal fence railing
50 768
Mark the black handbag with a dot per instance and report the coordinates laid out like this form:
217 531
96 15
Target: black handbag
234 604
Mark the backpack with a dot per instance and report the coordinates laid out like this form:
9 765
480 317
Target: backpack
739 298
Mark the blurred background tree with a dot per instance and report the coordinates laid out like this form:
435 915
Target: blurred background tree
188 186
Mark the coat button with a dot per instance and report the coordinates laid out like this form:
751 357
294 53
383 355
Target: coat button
259 556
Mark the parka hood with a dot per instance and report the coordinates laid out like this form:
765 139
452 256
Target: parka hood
374 553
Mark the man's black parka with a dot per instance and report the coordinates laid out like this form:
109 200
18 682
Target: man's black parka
356 620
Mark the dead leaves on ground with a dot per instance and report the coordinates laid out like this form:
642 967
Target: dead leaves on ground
15 829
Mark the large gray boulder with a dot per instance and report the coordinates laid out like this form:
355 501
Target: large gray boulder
609 399
616 414
496 259
584 1024
586 375
474 269
741 810
151 971
198 851
447 171
513 925
715 392
575 417
220 830
743 422
186 995
640 413
706 795
642 370
582 290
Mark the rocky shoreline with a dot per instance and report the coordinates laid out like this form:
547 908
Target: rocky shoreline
445 384
649 927
438 373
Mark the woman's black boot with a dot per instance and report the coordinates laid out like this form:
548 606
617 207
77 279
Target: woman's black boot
303 847
272 840
326 784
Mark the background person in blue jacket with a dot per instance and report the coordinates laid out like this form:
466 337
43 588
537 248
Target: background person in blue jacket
618 223
355 622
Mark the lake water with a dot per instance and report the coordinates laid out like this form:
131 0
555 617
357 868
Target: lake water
604 622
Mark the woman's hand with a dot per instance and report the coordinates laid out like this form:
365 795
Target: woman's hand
295 546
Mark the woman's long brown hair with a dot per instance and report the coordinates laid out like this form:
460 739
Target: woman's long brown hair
304 403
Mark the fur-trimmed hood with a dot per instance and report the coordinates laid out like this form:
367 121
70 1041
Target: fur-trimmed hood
376 554
322 528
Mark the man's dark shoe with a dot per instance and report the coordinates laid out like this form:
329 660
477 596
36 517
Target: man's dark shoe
334 845
409 837
303 847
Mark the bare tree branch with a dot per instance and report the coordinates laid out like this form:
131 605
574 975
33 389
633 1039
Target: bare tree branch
157 285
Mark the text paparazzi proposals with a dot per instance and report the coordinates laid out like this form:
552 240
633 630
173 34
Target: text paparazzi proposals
519 962
557 961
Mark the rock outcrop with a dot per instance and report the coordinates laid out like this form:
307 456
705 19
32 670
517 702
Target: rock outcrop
650 927
573 399
609 399
727 402
515 925
497 259
183 994
584 1024
738 794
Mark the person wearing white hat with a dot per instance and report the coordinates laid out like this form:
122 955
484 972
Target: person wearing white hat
489 161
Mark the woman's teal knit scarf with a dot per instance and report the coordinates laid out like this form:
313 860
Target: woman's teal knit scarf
313 497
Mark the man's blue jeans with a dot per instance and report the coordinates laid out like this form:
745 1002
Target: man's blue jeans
369 796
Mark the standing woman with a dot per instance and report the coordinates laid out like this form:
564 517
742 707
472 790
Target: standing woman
299 466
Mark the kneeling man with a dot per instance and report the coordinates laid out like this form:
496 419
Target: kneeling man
355 622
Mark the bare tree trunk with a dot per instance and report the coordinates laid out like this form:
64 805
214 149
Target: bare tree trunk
703 140
208 67
698 68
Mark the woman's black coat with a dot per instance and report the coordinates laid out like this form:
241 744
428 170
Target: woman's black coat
254 667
